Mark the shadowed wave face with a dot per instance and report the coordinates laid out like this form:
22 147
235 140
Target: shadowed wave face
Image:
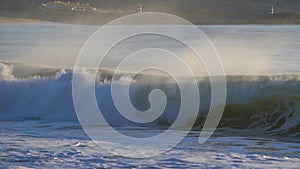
268 103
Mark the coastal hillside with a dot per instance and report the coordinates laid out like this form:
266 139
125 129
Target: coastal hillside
196 11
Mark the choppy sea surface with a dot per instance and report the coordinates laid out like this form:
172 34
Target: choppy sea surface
38 144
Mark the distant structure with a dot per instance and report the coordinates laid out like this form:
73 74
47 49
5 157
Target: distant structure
139 8
271 10
65 6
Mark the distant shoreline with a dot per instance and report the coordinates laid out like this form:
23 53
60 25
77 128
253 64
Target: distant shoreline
8 20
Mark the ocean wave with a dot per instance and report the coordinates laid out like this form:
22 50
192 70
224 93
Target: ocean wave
270 103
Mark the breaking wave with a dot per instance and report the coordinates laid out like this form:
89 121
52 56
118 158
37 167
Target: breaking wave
270 103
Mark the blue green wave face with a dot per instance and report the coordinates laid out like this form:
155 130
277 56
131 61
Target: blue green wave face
275 115
270 112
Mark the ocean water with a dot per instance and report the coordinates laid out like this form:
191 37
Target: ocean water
260 127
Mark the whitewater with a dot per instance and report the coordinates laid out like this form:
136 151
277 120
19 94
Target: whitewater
260 127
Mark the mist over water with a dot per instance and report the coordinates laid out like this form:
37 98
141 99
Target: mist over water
243 49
